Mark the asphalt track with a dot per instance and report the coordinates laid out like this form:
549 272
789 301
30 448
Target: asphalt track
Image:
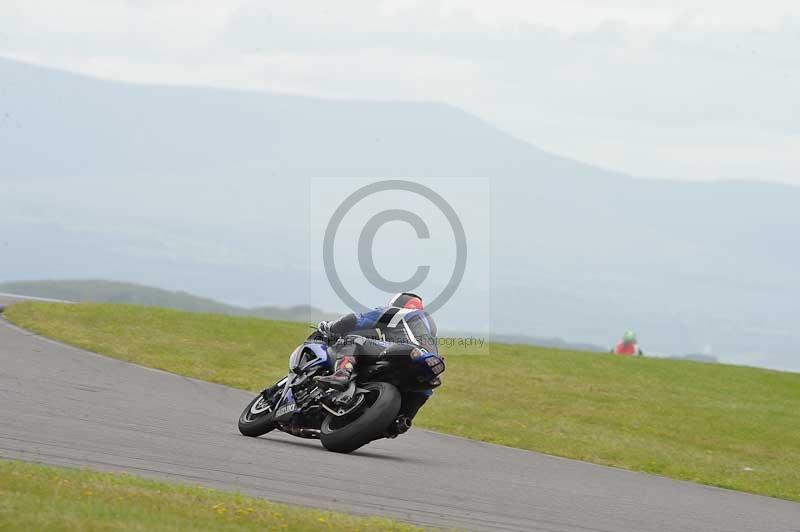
61 405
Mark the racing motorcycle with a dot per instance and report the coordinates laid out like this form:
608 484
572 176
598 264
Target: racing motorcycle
370 408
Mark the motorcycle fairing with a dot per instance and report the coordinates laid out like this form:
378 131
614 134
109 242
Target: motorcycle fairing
303 360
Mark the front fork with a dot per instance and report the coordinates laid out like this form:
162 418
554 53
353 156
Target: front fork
267 392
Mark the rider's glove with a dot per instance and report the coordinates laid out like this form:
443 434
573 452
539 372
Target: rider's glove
324 327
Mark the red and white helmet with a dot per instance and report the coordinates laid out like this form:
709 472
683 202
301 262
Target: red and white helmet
406 300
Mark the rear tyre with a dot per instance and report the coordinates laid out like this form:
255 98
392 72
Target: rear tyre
258 418
347 433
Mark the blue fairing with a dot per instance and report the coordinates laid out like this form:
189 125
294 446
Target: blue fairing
321 351
369 319
320 358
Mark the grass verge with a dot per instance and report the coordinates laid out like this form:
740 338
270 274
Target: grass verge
728 426
37 497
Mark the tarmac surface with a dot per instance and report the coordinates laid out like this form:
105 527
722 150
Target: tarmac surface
65 406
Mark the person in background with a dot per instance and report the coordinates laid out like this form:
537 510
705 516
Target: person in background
628 347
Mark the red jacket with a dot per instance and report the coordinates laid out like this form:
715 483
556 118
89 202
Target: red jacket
627 349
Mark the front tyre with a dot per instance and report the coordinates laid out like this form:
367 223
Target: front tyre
347 433
257 418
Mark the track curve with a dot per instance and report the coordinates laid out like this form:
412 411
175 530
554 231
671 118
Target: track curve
64 406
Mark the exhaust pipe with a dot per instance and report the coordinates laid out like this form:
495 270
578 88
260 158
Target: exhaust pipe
399 426
403 423
302 432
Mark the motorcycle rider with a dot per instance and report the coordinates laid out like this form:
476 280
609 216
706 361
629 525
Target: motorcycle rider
373 333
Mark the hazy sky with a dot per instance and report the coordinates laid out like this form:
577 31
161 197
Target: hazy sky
665 88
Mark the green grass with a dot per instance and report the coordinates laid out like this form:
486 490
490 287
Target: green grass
728 426
36 497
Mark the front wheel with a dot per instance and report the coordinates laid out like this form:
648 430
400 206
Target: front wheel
345 434
258 417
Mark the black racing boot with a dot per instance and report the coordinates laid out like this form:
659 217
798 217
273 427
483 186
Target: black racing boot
340 379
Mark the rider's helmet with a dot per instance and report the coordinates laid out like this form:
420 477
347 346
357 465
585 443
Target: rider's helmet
629 337
406 300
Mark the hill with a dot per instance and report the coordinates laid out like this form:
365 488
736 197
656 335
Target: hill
218 192
121 129
103 291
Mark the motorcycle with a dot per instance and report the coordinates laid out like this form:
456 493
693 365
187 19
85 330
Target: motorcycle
369 409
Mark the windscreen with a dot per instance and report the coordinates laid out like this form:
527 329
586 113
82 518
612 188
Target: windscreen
423 329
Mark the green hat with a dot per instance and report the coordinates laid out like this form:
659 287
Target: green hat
629 336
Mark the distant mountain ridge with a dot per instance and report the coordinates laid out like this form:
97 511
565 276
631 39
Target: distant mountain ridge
214 191
557 343
111 128
103 291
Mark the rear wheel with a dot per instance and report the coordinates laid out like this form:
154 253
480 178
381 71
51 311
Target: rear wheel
345 434
258 418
